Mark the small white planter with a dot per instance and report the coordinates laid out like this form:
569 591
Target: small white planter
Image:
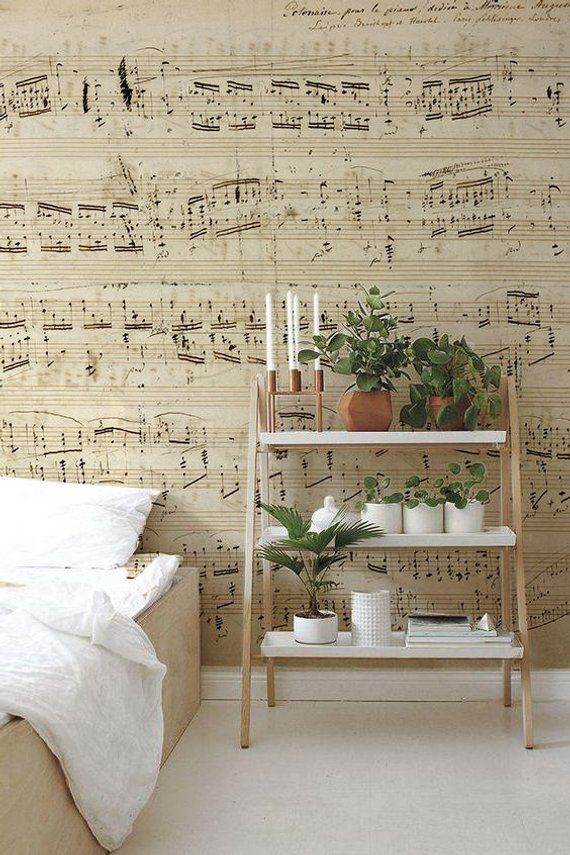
370 618
423 519
386 517
465 520
316 630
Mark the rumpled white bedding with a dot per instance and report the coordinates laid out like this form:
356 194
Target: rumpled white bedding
85 676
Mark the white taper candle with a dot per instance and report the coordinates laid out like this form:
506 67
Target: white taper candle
296 329
316 323
269 354
290 333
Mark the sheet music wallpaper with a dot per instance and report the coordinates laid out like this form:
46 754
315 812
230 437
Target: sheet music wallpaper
164 165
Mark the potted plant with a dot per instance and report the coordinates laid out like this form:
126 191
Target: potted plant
465 499
381 508
311 555
456 389
367 348
423 509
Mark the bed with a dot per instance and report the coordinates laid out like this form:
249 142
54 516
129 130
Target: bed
37 814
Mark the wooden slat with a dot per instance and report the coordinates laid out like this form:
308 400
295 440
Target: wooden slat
519 564
248 565
506 592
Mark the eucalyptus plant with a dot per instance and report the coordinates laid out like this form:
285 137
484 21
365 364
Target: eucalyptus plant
462 490
451 369
311 555
424 492
366 347
375 492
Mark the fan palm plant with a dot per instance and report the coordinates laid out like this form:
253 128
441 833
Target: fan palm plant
311 554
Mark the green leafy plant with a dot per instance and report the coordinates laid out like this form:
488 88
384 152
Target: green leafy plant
461 491
424 492
366 347
375 492
451 369
311 555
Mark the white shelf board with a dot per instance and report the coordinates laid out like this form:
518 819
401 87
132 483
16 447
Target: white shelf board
487 539
283 645
352 439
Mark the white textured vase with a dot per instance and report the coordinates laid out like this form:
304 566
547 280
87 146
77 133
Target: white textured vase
423 519
316 630
388 517
370 618
464 520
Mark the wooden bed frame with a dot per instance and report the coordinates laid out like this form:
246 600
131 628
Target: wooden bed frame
37 814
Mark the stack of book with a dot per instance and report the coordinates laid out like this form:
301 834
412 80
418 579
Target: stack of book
437 628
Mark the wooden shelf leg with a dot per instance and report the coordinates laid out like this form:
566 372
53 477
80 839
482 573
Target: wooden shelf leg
265 416
248 568
519 567
506 591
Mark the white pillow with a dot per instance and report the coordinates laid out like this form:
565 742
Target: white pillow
48 524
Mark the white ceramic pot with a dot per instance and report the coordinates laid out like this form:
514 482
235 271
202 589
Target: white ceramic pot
464 520
386 517
316 630
423 519
370 618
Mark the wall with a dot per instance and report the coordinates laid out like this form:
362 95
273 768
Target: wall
165 164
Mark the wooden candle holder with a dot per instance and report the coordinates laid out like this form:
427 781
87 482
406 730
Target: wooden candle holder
295 389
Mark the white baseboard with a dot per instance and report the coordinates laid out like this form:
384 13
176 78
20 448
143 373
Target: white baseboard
219 683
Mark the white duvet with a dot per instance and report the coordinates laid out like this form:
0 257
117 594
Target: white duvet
84 674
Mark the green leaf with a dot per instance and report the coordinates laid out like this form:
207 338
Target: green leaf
372 323
414 415
276 555
412 503
385 482
478 471
353 319
446 414
336 341
305 356
471 416
495 406
493 376
374 299
417 393
437 357
343 365
367 382
412 482
482 496
349 534
461 389
370 482
421 347
393 499
454 468
290 518
460 503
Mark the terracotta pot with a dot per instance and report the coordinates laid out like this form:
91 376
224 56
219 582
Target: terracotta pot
366 410
436 403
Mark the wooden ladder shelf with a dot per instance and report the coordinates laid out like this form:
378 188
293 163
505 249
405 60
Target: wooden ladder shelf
508 538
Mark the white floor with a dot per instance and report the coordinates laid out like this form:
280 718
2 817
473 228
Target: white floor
363 778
